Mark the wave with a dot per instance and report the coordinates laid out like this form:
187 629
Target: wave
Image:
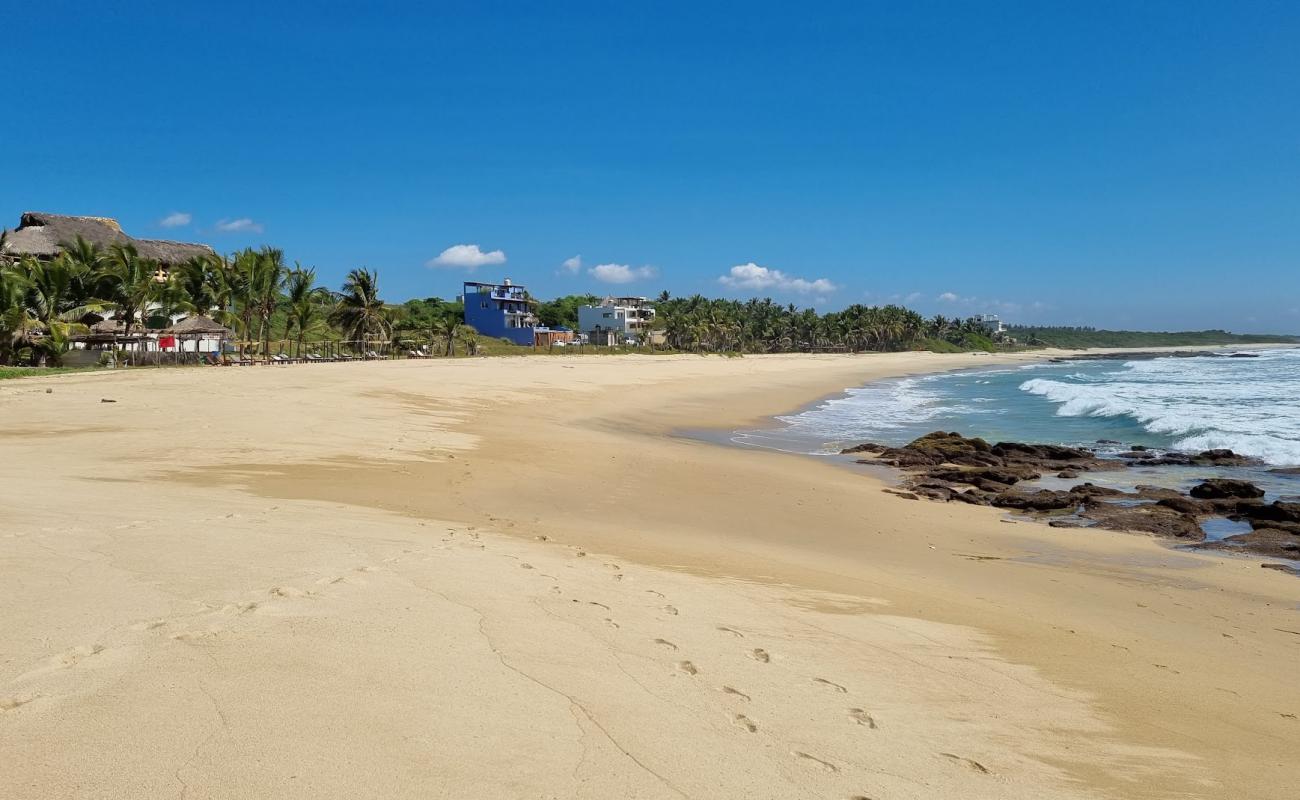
1251 406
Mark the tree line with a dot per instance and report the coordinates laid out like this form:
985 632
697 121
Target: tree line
271 306
265 302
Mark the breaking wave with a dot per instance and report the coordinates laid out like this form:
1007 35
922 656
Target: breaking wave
1249 405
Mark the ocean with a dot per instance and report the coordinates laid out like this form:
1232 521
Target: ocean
1250 405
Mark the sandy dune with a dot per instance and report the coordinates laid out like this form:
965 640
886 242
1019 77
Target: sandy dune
509 578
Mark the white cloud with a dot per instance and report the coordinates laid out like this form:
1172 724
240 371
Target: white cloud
752 276
950 297
572 265
467 256
176 219
620 273
912 297
240 225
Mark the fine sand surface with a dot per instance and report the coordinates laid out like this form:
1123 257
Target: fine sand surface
511 578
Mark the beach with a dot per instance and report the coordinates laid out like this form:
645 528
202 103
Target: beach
519 577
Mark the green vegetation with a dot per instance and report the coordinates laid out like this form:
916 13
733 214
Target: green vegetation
29 372
273 308
1075 338
698 324
563 311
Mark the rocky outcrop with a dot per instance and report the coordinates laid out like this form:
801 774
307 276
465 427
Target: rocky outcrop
1221 488
949 467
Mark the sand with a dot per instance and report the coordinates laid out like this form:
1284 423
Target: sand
516 578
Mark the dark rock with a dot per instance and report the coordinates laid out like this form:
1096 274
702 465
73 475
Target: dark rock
1169 460
1149 492
865 447
1185 505
1041 500
1107 441
1285 471
1215 488
993 479
1276 511
1222 458
1093 490
1150 518
1138 448
973 497
1244 355
1019 451
1137 455
1287 568
1267 542
1067 474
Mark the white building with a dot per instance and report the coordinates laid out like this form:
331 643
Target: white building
991 324
617 320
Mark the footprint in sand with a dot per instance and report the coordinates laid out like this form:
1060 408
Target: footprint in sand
611 623
671 610
861 717
525 565
76 654
815 761
666 643
194 636
742 721
760 655
149 625
734 692
834 686
284 591
731 631
653 592
968 763
10 703
687 667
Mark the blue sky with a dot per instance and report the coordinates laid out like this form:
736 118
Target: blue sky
1116 164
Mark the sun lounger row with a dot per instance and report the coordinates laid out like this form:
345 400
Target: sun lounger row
308 358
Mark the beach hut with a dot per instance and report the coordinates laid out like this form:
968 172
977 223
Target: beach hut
195 334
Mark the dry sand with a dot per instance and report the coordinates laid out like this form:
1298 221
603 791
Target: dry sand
509 578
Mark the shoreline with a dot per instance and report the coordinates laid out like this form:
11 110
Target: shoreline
537 461
839 451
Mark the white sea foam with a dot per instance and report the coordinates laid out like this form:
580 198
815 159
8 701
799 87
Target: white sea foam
1249 405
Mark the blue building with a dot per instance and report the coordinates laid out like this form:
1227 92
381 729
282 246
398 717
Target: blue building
500 310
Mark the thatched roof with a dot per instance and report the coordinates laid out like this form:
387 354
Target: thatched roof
43 235
200 325
108 326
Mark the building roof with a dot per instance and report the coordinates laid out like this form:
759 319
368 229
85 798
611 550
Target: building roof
199 325
43 235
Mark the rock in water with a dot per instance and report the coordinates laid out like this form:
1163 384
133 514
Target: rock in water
1218 488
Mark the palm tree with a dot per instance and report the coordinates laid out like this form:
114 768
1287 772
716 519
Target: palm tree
15 319
305 304
267 280
127 281
358 312
448 327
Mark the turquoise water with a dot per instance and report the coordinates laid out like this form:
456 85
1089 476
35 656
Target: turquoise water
1249 405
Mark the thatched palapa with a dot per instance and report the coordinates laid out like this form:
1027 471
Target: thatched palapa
200 326
43 236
